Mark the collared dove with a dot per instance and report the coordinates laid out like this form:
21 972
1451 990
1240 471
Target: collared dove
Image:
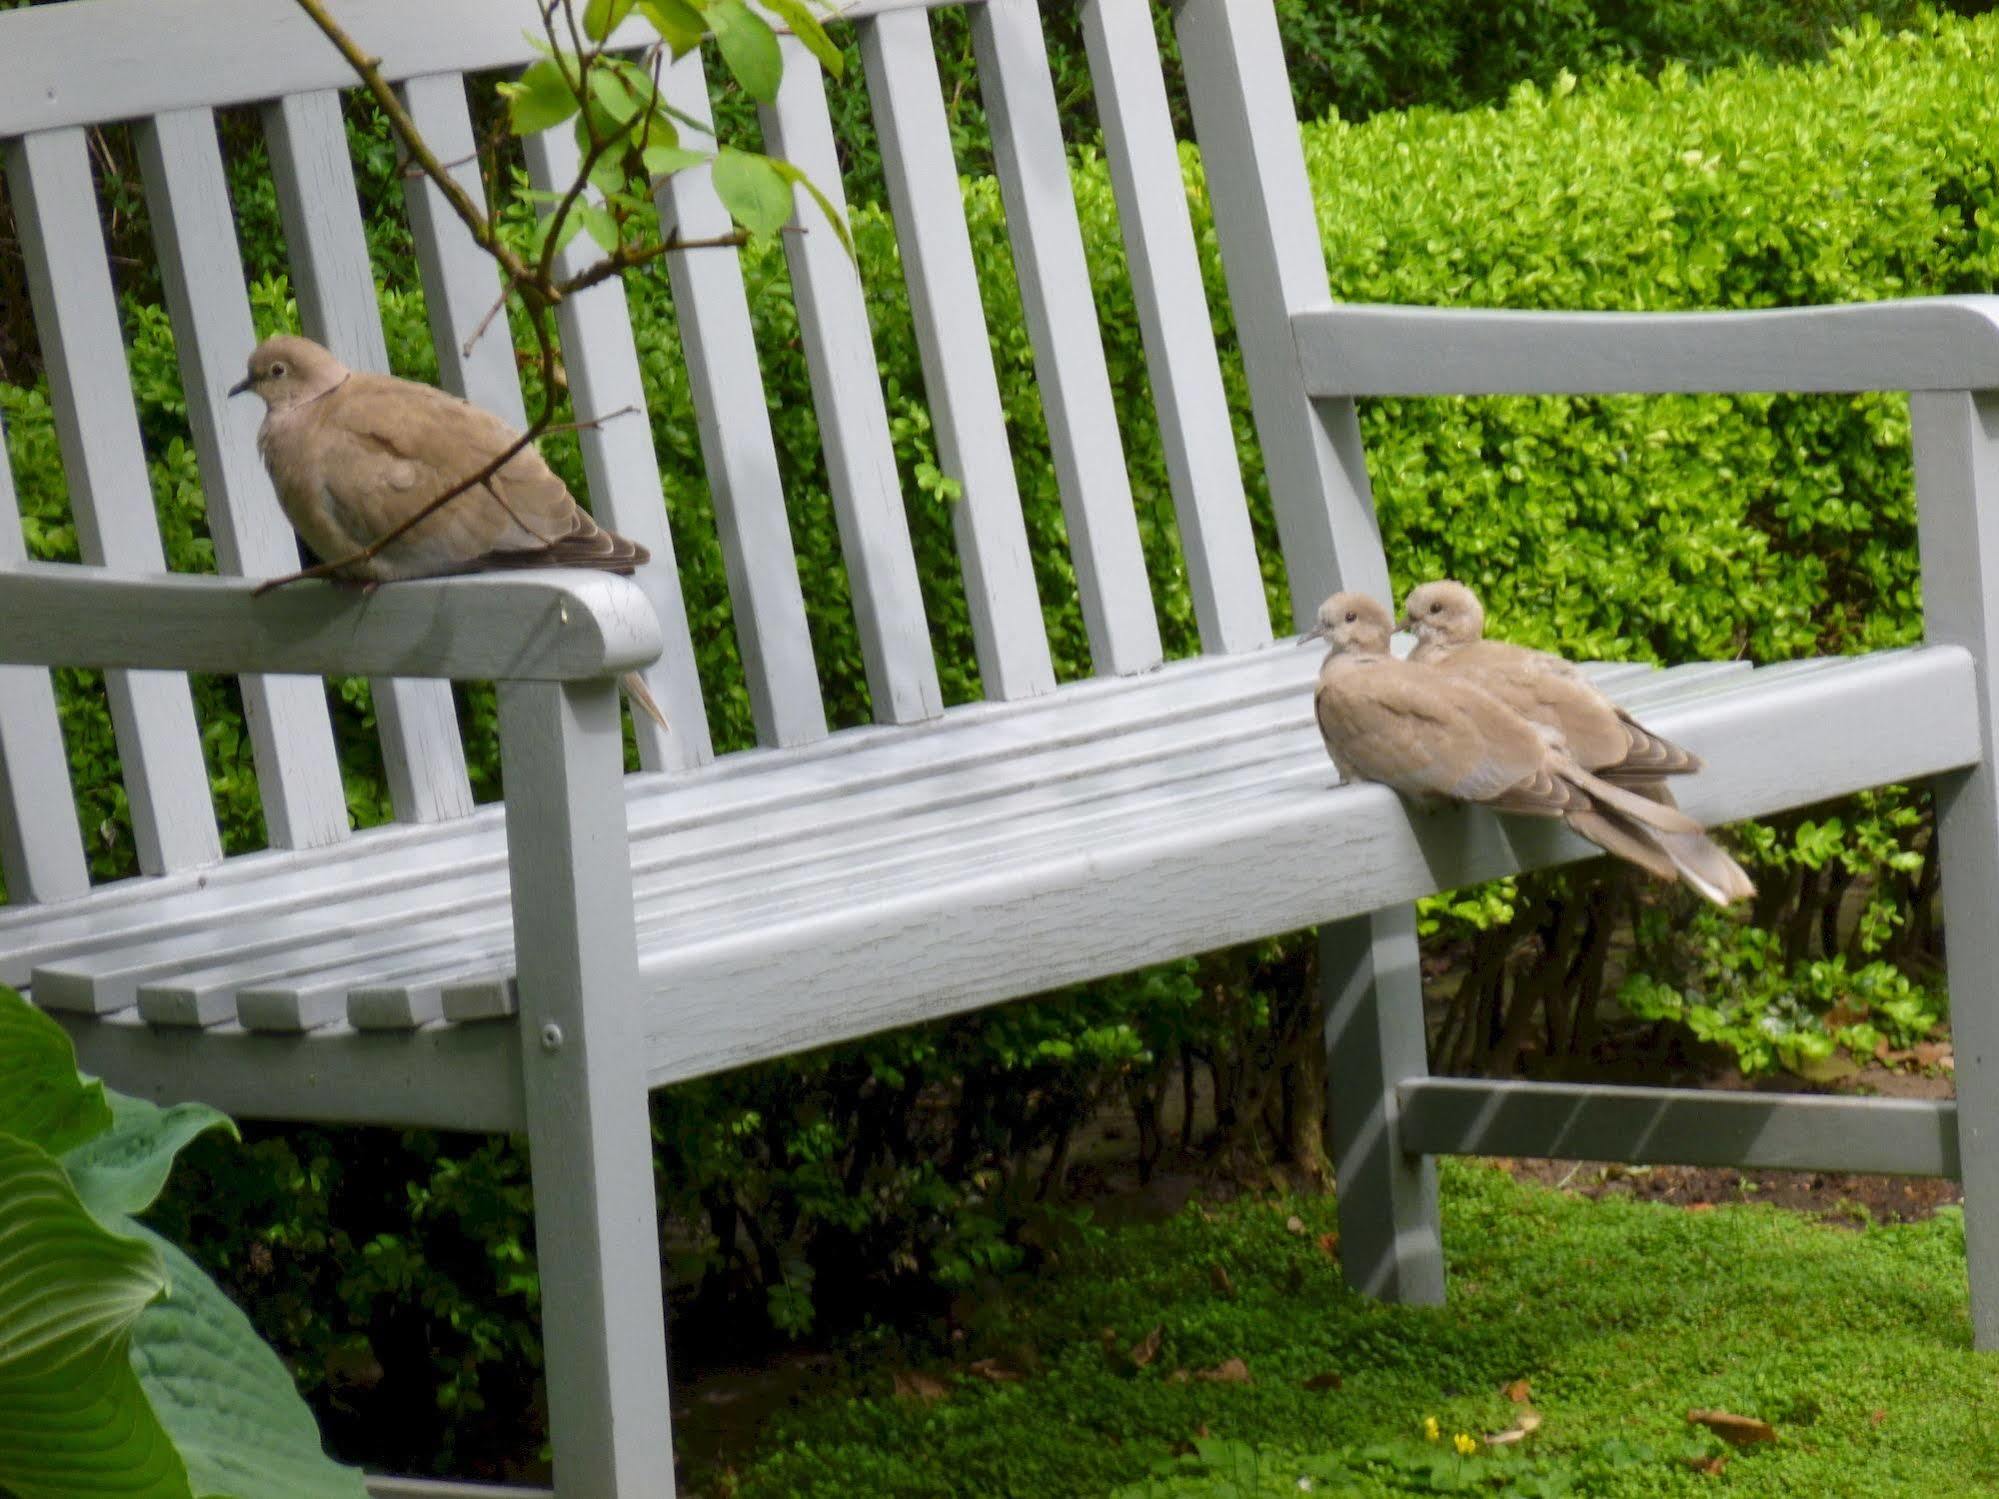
1449 624
1430 734
353 454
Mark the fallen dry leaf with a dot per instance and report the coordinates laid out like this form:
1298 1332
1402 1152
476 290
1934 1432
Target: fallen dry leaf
1525 1423
1218 1277
1876 1416
1700 1207
1178 1376
1295 1224
1930 1053
1329 1245
1711 1466
1228 1371
1740 1430
991 1369
913 1385
1146 1349
1517 1392
1326 1381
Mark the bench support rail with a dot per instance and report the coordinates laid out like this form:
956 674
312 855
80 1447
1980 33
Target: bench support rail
589 1132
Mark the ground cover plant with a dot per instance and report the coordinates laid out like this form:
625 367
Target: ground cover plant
397 1270
1220 1354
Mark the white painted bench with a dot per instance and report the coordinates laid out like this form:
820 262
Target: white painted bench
540 971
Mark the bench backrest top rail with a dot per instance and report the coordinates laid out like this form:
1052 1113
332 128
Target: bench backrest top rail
65 70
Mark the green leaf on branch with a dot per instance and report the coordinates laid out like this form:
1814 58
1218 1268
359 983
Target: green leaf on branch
602 17
599 224
664 161
805 26
834 217
539 98
753 190
749 47
42 1098
679 24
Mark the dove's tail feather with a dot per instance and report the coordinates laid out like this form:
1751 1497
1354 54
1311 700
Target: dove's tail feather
1706 867
1614 835
1648 755
636 690
1661 816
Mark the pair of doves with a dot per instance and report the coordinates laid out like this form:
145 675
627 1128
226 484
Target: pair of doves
1476 720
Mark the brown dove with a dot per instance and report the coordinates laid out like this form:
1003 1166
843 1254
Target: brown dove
353 454
1430 734
1449 624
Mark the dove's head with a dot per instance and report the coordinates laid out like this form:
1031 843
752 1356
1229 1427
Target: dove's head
1444 613
1352 623
287 371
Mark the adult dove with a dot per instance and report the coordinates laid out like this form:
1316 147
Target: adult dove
353 454
1449 623
1431 734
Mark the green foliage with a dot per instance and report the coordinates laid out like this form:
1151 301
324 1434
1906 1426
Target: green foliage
1622 1316
122 1369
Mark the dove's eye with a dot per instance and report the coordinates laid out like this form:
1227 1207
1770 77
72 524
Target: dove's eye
1436 608
1352 615
278 369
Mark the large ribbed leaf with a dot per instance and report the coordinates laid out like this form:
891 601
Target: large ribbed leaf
230 1405
74 1423
122 1170
42 1099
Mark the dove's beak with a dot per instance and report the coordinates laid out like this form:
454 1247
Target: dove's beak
240 386
1317 632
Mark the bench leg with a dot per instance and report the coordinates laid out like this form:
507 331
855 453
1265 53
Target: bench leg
1957 492
589 1132
1389 1242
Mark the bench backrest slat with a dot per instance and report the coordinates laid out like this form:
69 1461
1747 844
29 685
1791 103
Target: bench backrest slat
187 200
601 359
110 493
1195 431
330 274
1032 163
726 380
1009 635
41 848
854 434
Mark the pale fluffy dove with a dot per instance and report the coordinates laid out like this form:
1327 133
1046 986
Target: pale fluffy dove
1449 624
1430 734
354 454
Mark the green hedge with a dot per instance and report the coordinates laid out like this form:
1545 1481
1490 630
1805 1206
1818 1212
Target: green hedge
1668 528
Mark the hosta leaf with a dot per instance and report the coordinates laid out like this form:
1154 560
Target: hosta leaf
749 47
74 1420
42 1100
539 98
753 190
224 1397
122 1170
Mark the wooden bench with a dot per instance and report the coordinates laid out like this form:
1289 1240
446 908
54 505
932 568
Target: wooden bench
539 971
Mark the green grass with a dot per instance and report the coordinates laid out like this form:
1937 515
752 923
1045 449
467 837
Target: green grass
1622 1315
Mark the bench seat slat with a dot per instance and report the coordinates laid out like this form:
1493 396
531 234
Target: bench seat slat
1032 164
853 417
1009 635
737 449
317 201
187 197
110 492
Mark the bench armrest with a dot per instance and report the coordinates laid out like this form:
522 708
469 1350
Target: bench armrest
548 625
1915 344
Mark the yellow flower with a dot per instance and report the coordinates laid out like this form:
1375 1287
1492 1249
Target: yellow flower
1431 1431
1466 1445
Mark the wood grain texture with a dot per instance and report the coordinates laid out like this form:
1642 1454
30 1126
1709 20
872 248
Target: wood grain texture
1914 344
110 492
1956 439
1008 633
422 752
589 1135
737 449
1664 1126
621 470
1196 432
147 58
194 232
41 847
853 418
1059 307
546 625
1269 234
